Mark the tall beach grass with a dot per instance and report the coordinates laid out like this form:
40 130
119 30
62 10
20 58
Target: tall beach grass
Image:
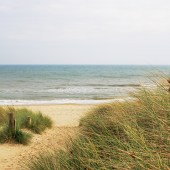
131 135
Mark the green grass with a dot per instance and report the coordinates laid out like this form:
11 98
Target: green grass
6 136
123 136
38 124
2 115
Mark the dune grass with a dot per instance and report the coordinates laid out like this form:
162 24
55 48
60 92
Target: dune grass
124 136
19 137
38 124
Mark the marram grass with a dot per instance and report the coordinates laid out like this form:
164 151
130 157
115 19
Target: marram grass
123 136
38 124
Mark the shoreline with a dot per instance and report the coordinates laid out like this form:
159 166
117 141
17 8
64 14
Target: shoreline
62 102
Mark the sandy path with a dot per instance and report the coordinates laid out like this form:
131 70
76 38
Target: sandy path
66 119
13 155
66 115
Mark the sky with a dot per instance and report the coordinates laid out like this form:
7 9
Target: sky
85 32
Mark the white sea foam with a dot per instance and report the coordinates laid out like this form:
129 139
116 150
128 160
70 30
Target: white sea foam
63 101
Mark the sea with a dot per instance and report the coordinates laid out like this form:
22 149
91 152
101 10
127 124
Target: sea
74 84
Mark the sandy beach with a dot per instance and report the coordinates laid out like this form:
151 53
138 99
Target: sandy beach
66 120
64 115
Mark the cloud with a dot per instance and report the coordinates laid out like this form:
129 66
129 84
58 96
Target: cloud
74 26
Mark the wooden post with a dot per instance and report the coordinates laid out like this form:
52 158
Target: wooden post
169 84
15 126
168 80
29 121
12 123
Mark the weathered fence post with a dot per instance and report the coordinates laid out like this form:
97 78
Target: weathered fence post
169 84
168 80
29 121
12 123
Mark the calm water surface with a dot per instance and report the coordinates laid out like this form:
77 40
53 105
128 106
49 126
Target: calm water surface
26 84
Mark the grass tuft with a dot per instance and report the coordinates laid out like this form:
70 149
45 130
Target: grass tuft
38 124
18 137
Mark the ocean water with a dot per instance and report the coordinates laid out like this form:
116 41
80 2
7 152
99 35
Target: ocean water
43 84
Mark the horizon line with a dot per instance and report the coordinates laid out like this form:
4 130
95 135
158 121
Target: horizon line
87 64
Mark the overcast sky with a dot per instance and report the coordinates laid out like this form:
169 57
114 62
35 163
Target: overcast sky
85 32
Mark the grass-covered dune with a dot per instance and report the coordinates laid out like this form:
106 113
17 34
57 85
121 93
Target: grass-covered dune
38 124
125 136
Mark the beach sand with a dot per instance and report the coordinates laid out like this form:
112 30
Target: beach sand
66 120
65 115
